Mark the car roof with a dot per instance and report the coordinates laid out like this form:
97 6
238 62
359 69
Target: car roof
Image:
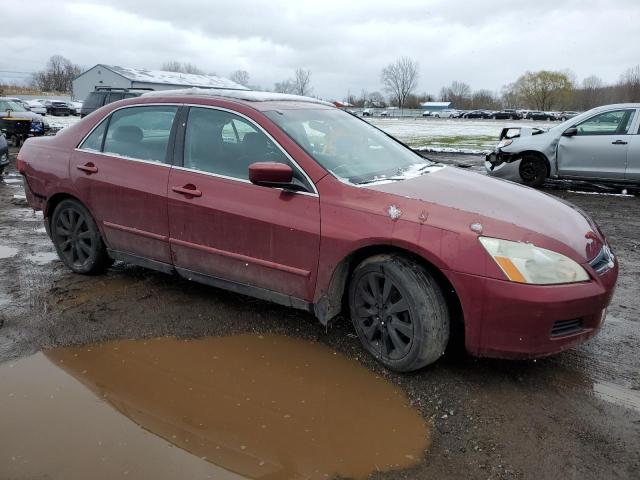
253 98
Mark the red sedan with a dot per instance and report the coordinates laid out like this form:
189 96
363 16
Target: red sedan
291 200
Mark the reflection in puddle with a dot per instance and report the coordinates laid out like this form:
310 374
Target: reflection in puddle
242 407
8 252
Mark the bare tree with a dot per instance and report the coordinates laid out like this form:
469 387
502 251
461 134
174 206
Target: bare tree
630 84
458 93
286 86
302 81
180 67
240 76
400 79
57 75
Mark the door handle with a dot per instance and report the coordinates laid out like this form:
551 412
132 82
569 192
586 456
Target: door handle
188 190
619 142
88 168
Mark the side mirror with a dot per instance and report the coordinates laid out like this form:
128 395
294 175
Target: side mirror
570 132
272 174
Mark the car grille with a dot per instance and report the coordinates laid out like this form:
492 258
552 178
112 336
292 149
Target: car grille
566 327
603 262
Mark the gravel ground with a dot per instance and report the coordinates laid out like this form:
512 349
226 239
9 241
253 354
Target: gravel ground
575 415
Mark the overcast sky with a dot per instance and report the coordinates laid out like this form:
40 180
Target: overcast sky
344 43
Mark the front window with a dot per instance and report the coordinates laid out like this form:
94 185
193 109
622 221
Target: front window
349 148
11 105
608 123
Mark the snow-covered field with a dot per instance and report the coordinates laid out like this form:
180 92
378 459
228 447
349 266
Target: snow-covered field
431 134
61 122
455 135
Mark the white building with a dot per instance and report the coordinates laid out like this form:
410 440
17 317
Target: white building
124 77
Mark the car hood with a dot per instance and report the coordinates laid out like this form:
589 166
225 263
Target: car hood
31 115
500 206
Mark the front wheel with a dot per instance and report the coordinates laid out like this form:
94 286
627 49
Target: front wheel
533 171
399 312
77 238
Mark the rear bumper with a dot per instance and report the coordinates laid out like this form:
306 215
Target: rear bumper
510 320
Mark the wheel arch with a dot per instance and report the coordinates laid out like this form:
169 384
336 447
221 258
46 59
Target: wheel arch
54 200
334 301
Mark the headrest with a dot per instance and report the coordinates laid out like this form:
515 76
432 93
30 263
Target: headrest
128 133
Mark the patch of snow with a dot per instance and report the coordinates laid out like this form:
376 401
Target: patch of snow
42 258
394 212
8 252
466 151
415 170
602 193
247 95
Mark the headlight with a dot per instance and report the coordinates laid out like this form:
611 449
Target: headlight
505 142
526 263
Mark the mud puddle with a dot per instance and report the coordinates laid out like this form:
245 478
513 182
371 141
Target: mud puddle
43 258
245 406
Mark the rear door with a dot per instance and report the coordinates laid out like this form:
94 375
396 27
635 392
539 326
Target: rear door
599 149
121 172
223 226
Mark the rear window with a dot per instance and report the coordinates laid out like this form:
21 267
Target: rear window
94 100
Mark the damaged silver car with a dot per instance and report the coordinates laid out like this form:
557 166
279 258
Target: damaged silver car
602 144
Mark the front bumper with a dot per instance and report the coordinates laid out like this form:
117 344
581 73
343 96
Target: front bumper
511 320
502 165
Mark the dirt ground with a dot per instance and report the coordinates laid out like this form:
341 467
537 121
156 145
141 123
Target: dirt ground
575 415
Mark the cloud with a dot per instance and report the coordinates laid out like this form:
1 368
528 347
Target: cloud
345 44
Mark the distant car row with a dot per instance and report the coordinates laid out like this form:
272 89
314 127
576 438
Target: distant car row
505 114
43 106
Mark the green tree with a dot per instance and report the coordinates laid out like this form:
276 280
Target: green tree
544 89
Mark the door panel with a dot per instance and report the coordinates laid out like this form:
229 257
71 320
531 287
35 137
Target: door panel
129 200
599 150
244 233
121 172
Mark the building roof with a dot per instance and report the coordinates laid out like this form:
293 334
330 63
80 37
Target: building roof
173 78
246 95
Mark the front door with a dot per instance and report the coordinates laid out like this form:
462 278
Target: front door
223 226
121 171
599 149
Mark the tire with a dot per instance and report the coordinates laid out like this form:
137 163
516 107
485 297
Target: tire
77 239
533 171
399 312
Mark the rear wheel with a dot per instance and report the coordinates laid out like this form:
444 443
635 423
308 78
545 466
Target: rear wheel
77 238
533 170
399 312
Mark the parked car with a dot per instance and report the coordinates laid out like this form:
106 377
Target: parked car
292 200
106 95
447 113
4 153
427 113
538 115
384 113
37 107
75 107
602 144
478 114
506 114
39 125
564 116
366 112
57 108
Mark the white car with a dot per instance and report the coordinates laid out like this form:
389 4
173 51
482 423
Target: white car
447 113
36 107
75 107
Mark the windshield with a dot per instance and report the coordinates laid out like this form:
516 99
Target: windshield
348 147
10 105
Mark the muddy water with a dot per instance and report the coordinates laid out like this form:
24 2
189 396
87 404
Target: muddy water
7 252
233 407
